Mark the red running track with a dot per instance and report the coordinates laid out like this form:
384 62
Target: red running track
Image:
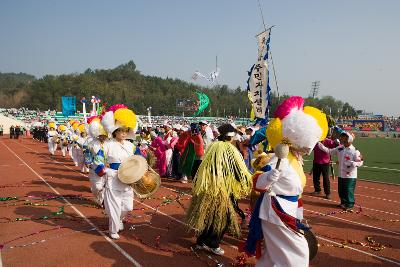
155 234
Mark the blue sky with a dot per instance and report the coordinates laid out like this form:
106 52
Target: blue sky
350 46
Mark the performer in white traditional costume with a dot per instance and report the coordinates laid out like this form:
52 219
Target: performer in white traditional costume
52 138
280 208
63 136
75 150
118 197
81 145
99 135
70 136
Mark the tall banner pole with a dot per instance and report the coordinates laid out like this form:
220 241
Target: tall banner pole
83 101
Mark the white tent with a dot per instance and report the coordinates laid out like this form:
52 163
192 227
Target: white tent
7 122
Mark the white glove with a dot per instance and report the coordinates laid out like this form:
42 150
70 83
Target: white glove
350 163
274 175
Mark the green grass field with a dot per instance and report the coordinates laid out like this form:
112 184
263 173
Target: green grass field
383 154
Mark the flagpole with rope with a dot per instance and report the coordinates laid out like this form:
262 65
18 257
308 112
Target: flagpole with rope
272 60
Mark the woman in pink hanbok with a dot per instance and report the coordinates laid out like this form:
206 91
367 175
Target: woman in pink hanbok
159 149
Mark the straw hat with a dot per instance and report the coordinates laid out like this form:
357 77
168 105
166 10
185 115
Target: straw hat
132 169
261 161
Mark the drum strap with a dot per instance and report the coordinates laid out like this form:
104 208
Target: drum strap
289 198
115 166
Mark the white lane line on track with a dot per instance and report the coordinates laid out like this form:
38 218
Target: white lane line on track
363 207
338 218
380 168
142 203
372 167
328 240
361 195
379 189
123 252
360 251
353 222
367 181
366 187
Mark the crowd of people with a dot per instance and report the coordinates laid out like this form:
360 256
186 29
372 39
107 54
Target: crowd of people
223 162
384 123
369 125
15 131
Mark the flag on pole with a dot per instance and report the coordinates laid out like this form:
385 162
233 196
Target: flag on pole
258 83
203 103
68 105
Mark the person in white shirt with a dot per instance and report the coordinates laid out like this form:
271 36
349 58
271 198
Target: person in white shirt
62 129
52 138
118 197
349 159
81 146
100 138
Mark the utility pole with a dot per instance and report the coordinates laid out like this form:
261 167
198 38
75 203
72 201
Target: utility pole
314 89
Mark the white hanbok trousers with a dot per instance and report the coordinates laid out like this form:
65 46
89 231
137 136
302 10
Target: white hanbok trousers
97 186
117 205
70 151
52 147
63 150
282 247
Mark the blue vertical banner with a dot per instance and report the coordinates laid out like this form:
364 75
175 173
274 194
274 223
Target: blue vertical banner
68 104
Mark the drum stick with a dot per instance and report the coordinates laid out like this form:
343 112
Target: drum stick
332 170
281 151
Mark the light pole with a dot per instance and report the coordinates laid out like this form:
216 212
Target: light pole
149 114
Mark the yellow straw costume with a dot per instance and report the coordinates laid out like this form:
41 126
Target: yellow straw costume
222 175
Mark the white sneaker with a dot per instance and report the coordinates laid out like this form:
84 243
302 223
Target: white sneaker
184 180
217 251
114 236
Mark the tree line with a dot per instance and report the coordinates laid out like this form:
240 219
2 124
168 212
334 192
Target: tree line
125 84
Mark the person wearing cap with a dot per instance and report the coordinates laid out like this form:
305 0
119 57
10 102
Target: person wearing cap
99 138
70 137
75 150
62 131
82 148
349 159
121 123
51 138
220 181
